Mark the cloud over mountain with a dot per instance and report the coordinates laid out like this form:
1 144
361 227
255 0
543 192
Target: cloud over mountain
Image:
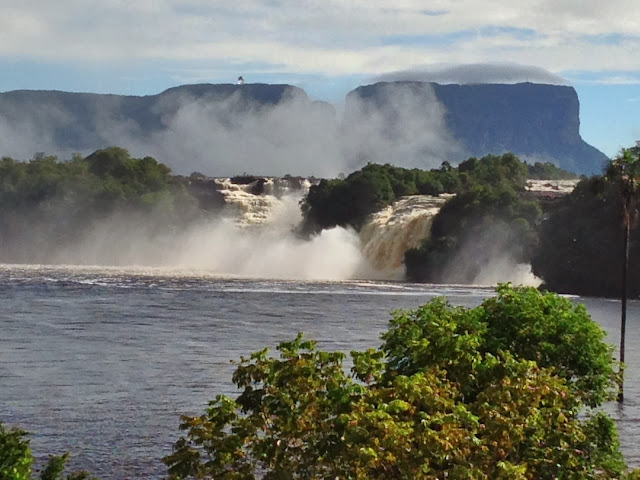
331 37
476 73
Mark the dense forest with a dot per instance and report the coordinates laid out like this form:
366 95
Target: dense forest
348 201
47 201
581 242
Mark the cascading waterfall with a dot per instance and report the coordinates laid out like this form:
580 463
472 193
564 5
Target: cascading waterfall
244 207
256 237
395 229
253 235
558 187
273 201
380 245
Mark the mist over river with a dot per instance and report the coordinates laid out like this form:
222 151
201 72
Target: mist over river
102 361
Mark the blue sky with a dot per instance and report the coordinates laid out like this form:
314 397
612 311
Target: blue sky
327 47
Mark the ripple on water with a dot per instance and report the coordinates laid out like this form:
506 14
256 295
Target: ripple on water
102 361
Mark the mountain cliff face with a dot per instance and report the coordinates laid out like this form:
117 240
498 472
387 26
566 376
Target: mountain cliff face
536 122
275 129
79 121
219 130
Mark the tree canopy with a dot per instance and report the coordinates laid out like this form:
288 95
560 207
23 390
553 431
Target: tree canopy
347 202
49 202
581 238
548 171
493 392
488 217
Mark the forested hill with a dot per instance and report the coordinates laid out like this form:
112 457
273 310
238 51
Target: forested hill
536 122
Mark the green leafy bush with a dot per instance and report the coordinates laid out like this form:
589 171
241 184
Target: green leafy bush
493 392
349 201
16 459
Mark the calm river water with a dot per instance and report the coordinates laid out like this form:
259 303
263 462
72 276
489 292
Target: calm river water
101 362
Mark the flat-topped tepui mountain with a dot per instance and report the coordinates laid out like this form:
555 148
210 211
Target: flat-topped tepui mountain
216 129
537 122
226 129
79 121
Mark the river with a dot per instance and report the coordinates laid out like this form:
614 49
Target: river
101 362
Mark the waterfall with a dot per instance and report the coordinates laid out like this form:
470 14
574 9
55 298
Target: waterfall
395 229
558 187
257 239
264 201
255 236
247 227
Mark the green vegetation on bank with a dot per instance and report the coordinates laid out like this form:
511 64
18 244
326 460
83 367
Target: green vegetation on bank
487 220
505 390
349 201
470 231
47 202
581 240
548 171
105 181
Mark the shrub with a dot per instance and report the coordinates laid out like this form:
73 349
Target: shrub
492 392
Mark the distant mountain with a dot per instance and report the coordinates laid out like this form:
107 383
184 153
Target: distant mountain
219 130
79 121
536 122
266 129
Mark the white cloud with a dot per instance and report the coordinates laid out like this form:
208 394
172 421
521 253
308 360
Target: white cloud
331 37
476 73
618 80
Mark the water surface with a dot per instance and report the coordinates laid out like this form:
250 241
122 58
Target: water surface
101 362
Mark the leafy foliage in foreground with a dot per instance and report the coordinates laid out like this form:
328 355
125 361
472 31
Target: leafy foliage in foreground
492 392
16 460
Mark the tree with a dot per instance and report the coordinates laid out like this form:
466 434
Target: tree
625 170
16 459
348 201
570 257
548 171
492 392
47 202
